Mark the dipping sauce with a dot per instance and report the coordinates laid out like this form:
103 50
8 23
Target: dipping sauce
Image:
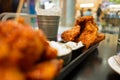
74 45
61 47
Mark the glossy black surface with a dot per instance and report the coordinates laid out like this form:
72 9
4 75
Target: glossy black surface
77 57
95 66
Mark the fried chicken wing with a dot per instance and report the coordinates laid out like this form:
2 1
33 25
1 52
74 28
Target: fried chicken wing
45 70
88 35
100 37
71 34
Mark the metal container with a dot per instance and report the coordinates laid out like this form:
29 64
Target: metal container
49 25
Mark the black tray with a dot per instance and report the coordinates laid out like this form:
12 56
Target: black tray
76 59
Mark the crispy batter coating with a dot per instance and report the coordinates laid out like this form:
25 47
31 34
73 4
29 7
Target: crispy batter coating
100 37
71 34
83 20
49 68
22 48
11 73
50 53
88 35
23 44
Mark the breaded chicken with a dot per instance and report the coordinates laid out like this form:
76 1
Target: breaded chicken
46 70
100 37
88 35
83 20
71 34
23 48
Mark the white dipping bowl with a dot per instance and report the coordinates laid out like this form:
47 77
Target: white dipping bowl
64 52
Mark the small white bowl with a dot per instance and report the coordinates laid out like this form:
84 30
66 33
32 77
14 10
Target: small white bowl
74 45
66 57
64 52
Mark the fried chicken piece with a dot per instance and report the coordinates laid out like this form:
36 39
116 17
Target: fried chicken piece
100 37
83 20
50 53
71 34
45 70
23 45
33 50
88 32
95 25
11 73
88 35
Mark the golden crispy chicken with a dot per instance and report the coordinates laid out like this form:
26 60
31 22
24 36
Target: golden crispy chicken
49 68
11 73
82 20
70 35
50 53
22 47
23 44
100 37
88 35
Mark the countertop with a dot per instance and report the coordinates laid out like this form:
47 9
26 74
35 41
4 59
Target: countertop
95 65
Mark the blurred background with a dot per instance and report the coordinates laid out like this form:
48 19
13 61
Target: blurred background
105 12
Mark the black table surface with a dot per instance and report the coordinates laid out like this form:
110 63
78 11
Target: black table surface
95 65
